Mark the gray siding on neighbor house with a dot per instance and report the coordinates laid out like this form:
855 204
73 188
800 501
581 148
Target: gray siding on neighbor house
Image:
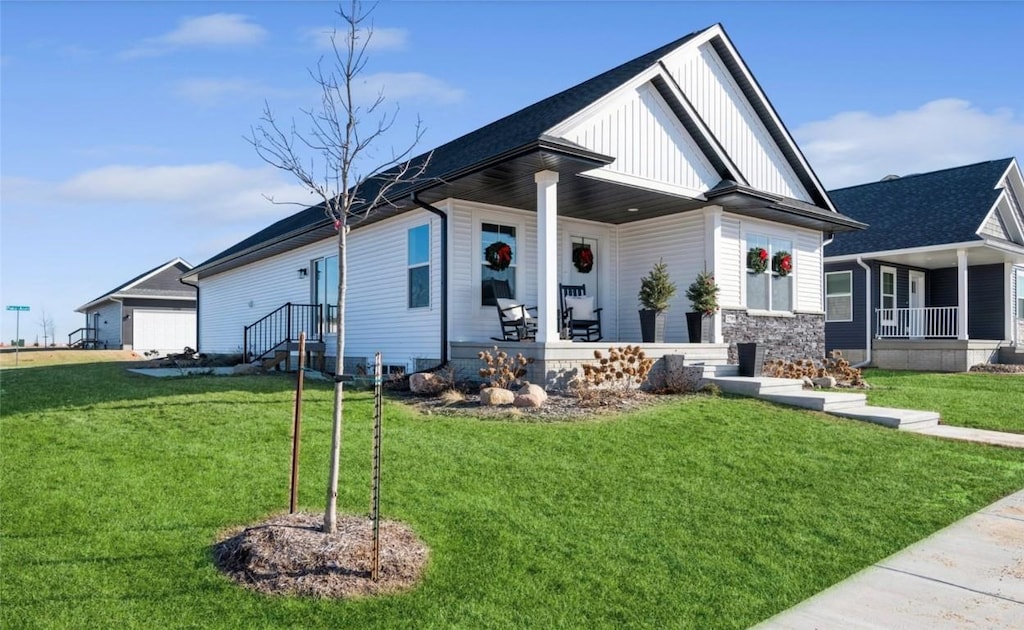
848 335
986 294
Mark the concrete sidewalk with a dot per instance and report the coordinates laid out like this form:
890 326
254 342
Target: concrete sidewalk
968 575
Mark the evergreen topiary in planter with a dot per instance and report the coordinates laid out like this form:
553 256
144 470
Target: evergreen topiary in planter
703 296
656 290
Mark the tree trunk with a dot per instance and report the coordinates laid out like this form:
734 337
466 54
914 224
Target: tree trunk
331 513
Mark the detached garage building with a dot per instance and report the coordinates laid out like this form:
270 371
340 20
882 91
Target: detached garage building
153 311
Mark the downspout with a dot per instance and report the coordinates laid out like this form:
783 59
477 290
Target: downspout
867 314
181 279
444 277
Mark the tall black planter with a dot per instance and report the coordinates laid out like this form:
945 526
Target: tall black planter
652 326
751 357
694 326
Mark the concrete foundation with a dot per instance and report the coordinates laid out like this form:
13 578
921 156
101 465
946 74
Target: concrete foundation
932 355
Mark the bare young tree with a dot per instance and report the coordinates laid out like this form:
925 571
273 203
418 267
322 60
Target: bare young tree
327 156
46 323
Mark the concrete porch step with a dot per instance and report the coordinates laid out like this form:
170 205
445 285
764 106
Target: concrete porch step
817 400
903 419
757 386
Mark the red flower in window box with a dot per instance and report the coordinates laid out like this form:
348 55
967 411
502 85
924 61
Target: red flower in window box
498 256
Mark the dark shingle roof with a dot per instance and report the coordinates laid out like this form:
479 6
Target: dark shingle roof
934 208
490 141
153 288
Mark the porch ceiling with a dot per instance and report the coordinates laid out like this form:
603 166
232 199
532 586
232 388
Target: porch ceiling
511 184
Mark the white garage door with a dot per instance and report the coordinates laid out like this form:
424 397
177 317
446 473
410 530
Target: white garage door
165 331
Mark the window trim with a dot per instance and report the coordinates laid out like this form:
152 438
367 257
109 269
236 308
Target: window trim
409 266
849 295
1020 295
882 270
501 220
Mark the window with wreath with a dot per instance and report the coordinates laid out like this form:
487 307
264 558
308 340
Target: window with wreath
498 262
419 266
839 296
769 273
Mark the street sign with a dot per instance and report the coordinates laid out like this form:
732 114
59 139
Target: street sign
18 308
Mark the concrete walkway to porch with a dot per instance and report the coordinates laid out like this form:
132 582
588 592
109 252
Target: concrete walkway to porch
968 575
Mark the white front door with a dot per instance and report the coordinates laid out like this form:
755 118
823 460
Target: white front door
917 312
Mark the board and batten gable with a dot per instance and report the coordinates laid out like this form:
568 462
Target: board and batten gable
377 314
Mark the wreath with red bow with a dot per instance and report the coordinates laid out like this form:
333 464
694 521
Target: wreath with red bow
757 259
498 256
583 258
782 263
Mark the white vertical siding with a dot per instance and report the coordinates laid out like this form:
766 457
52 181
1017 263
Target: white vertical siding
732 264
377 316
677 240
723 107
649 143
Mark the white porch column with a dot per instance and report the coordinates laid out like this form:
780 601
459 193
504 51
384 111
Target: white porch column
1009 330
961 294
547 255
712 256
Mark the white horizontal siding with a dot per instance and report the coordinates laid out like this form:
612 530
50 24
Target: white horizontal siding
606 267
677 240
721 104
731 264
650 145
377 316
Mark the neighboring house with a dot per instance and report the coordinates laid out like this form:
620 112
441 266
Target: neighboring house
676 156
153 311
937 281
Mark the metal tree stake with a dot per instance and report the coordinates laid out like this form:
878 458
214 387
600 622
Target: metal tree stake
375 492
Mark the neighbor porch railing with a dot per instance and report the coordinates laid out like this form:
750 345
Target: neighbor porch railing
282 327
928 321
83 338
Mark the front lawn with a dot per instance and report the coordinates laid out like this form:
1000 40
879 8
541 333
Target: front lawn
704 513
976 400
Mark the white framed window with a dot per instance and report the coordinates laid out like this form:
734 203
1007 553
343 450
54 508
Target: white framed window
491 233
887 293
1020 295
418 272
839 296
768 290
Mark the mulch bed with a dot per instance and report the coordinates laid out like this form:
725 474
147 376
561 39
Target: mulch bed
290 555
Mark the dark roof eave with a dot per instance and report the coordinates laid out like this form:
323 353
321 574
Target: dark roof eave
588 160
744 200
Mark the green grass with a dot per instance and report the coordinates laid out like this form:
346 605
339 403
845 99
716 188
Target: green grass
705 513
975 400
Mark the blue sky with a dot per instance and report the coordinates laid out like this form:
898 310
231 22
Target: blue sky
122 123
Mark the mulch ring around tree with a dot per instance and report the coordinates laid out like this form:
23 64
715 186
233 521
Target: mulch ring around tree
289 554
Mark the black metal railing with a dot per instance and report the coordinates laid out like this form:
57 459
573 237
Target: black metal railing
282 327
82 338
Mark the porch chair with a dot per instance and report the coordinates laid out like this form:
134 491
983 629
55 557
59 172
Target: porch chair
517 323
578 317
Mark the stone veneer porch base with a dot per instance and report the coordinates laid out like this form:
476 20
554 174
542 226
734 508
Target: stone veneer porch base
557 363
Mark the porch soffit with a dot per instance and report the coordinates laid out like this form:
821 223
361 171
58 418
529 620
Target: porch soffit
979 253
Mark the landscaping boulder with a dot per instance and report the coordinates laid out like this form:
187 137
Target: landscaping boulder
492 396
425 383
807 381
826 382
533 390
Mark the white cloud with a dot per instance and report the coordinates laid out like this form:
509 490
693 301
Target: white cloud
220 30
857 147
209 92
398 86
381 39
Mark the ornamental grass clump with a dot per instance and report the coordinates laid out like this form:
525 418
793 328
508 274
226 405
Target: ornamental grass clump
501 369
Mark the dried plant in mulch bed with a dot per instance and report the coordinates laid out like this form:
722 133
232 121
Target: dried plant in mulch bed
290 555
